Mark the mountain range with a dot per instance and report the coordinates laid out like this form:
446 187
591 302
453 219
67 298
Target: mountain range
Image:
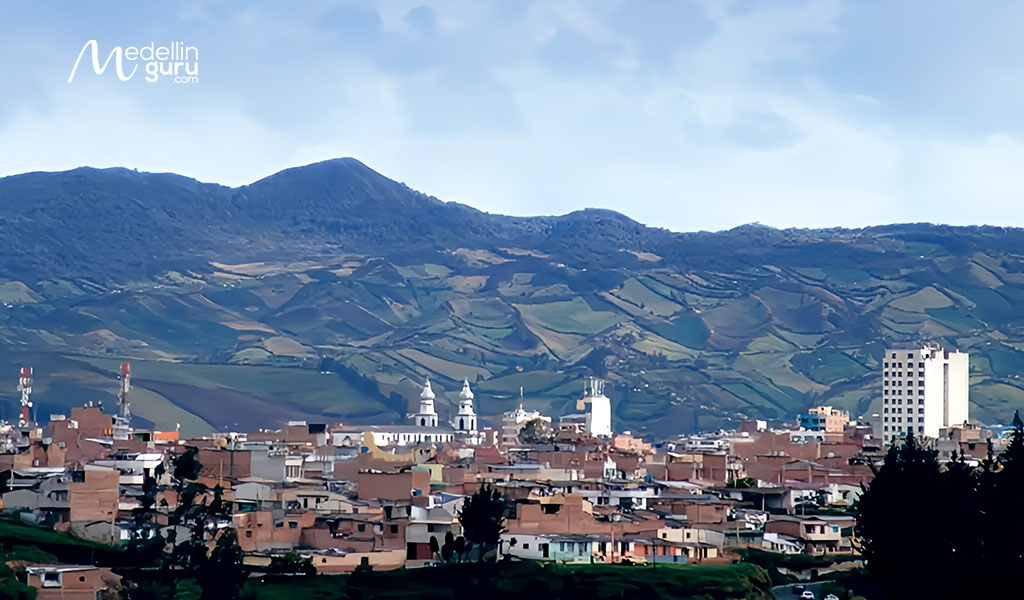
330 292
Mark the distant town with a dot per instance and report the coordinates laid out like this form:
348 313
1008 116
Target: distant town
343 498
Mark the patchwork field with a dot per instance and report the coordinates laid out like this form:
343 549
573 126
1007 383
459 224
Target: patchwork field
331 293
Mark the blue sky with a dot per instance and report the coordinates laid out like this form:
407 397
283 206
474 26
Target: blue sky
682 114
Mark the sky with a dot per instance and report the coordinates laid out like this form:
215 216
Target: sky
684 114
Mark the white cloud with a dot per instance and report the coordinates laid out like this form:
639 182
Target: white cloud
744 121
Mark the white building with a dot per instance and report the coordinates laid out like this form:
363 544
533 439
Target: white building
465 421
599 417
513 421
392 435
427 417
923 390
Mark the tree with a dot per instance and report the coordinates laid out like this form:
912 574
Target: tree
210 552
1001 502
482 517
900 520
945 533
448 550
537 431
186 466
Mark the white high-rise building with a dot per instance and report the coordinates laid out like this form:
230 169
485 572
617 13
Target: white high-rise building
427 417
923 390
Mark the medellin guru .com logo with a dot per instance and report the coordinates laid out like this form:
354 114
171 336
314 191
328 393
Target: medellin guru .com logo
177 63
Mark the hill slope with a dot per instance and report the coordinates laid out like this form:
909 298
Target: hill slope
330 291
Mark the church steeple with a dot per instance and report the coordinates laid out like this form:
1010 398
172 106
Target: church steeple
427 417
466 419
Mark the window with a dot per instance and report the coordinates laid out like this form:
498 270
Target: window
293 525
526 546
248 533
394 529
361 527
886 365
910 355
894 355
279 524
920 419
920 365
920 429
51 579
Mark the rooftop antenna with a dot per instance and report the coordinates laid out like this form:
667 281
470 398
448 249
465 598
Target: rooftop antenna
123 421
25 387
126 386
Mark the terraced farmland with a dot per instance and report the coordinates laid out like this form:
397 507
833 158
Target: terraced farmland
330 293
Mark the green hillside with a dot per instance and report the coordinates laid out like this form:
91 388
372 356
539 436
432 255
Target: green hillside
330 292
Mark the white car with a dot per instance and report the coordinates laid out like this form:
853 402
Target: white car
831 597
807 595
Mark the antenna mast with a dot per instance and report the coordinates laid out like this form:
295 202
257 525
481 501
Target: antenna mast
123 421
25 387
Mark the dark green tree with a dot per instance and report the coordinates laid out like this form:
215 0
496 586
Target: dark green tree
482 517
901 520
209 552
448 549
537 431
1003 497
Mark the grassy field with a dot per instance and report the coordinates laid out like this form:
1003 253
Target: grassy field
528 580
686 330
571 316
196 395
827 366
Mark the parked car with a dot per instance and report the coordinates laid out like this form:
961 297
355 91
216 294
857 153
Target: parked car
807 595
831 597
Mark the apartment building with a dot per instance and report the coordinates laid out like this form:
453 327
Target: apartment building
924 389
826 419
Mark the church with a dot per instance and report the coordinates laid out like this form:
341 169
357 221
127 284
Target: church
464 425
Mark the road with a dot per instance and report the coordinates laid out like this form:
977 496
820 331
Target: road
785 592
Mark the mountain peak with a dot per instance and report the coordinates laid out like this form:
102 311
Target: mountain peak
333 167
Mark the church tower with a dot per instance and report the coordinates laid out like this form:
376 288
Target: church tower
465 421
427 417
